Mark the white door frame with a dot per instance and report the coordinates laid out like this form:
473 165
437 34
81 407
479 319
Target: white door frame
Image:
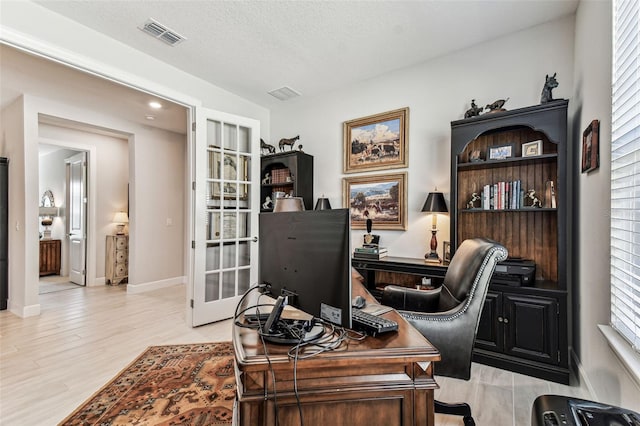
53 52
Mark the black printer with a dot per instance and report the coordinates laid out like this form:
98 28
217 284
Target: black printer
515 272
558 410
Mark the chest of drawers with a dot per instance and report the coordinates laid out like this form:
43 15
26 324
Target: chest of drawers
117 259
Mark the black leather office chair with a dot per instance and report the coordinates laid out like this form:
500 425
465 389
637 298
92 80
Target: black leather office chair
453 324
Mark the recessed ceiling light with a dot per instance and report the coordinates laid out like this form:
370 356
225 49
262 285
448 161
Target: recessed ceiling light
155 105
149 117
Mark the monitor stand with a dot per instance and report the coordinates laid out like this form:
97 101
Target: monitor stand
279 330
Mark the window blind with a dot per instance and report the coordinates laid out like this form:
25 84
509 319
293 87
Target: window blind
625 172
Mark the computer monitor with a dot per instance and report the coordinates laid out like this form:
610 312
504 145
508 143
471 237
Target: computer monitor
305 258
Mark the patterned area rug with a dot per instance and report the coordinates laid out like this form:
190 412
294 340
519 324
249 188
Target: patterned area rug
167 385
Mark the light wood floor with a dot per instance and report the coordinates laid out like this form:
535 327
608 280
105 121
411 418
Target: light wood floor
52 363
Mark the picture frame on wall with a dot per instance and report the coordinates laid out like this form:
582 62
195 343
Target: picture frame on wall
381 198
591 147
377 142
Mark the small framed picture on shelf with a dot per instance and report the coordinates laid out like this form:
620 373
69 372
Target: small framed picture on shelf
446 251
500 152
532 149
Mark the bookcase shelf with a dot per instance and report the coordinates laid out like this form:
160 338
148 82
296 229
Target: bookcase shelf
523 329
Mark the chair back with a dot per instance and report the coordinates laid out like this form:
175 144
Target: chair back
453 328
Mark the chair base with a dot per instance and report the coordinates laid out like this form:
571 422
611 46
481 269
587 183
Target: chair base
458 409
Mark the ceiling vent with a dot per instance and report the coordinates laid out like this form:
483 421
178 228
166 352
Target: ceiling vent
284 93
161 32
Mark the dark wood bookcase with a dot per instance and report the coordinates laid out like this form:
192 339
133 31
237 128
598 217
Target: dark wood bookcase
290 172
525 329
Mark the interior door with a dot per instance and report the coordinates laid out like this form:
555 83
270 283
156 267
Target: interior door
227 203
77 216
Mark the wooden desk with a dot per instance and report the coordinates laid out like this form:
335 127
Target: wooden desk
386 380
397 270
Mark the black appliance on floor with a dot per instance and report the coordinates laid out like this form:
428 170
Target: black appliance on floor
557 410
4 232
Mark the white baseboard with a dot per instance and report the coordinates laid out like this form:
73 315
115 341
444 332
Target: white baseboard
155 285
98 282
24 311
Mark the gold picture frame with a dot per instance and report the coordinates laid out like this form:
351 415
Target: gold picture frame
381 198
377 142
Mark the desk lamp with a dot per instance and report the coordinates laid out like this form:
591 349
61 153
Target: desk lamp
323 204
435 204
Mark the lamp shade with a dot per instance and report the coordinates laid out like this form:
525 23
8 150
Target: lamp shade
288 204
435 203
47 211
120 217
323 204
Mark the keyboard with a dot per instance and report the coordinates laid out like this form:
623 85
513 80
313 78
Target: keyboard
371 324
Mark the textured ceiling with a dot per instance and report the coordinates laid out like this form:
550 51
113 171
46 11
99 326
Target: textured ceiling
253 47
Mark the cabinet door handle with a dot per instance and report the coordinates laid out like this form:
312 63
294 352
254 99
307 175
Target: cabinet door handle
500 319
506 320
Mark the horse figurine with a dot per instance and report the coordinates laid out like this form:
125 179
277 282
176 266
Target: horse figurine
289 142
473 111
474 197
270 148
550 83
496 106
535 201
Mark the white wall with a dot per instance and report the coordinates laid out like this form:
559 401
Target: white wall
436 92
592 100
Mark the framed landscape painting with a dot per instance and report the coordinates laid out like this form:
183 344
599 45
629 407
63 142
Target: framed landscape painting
377 142
381 198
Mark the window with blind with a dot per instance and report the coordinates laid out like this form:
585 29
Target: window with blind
625 172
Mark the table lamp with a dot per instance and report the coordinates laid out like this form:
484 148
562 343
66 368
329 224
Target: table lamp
120 219
47 214
288 204
323 204
435 204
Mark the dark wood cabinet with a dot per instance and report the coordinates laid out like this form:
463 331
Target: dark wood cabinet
290 173
50 257
522 328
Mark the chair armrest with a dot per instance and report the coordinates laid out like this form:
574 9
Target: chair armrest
410 299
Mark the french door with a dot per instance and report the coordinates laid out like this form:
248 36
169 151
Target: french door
227 203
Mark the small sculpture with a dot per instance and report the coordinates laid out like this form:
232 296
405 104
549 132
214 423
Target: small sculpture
267 203
267 179
270 148
369 239
300 147
474 110
535 201
474 197
475 156
290 142
550 83
496 106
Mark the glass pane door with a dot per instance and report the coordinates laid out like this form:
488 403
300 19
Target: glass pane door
228 217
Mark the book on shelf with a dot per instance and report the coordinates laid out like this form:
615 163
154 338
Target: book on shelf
369 256
370 250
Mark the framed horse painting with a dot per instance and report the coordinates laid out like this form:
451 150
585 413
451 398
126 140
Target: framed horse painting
377 142
381 198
